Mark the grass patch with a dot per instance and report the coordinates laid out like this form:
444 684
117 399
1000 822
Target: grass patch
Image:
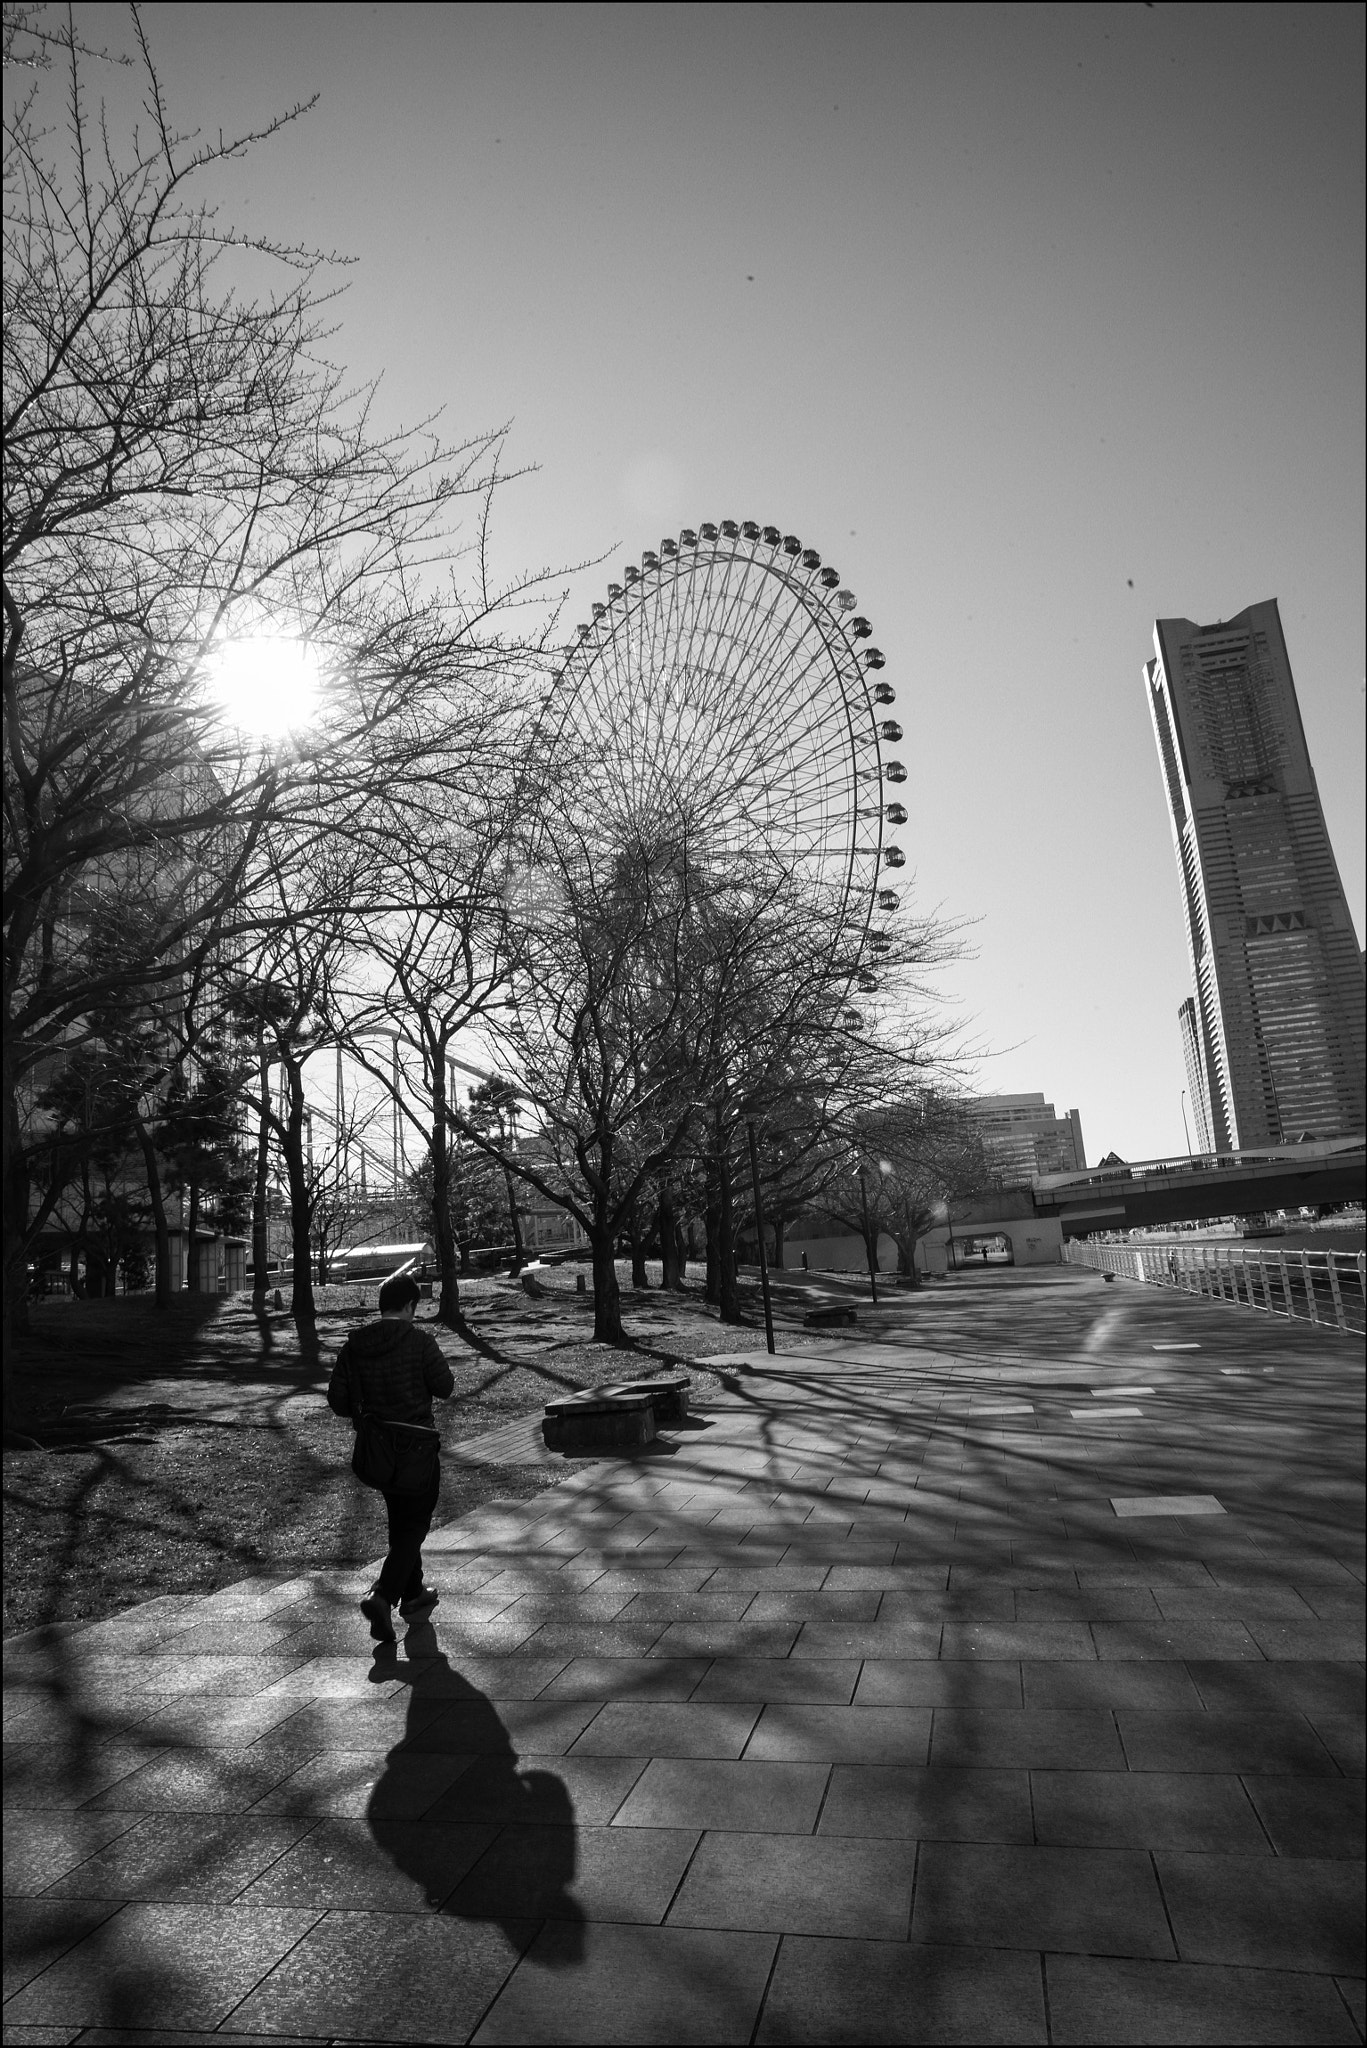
183 1451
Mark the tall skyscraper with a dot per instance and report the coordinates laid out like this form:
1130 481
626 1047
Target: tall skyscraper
1198 1092
1275 1033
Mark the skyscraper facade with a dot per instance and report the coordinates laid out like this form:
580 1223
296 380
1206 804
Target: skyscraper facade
1274 1037
1023 1138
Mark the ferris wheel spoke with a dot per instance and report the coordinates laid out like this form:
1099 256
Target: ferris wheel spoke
718 702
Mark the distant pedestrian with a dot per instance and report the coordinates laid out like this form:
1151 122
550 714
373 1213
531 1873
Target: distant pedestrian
385 1377
804 1262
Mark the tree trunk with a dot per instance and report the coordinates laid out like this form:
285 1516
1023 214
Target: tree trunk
16 1197
260 1231
778 1244
729 1291
639 1276
443 1237
161 1232
301 1213
667 1224
607 1295
192 1237
712 1227
513 1217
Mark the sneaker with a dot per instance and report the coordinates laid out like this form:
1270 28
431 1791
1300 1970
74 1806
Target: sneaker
420 1604
377 1612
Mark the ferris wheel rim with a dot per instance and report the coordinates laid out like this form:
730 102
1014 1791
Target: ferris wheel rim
813 596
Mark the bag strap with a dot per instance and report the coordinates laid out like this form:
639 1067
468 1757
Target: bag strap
353 1381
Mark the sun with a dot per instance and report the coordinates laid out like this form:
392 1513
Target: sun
265 685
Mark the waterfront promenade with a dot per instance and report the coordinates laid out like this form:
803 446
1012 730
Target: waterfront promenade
993 1675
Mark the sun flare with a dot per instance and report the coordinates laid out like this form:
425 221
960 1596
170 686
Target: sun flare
265 685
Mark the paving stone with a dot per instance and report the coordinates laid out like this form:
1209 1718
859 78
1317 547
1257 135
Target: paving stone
37 1931
161 1966
561 1791
181 1857
935 1804
926 1682
1223 1603
1178 1639
725 1639
1037 1639
1102 1901
1146 1810
861 1991
614 1984
590 1873
1268 1912
1311 1816
774 1798
1095 1999
806 1680
41 1847
1076 1686
384 1865
369 1976
1342 1736
1314 1688
1157 1740
349 1783
196 1781
1344 1640
1026 1740
778 1578
58 1776
215 1723
648 1728
838 1639
821 1734
1099 1603
800 1885
482 1727
627 1678
516 1676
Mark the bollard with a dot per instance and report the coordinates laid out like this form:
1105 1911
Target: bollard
581 1285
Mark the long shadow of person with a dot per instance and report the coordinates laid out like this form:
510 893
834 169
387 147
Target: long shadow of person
451 1809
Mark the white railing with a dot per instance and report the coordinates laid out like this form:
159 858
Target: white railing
1327 1288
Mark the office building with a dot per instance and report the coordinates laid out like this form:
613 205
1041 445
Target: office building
1199 1136
1276 1027
1023 1138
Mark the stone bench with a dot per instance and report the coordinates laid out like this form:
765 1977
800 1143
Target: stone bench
622 1417
829 1318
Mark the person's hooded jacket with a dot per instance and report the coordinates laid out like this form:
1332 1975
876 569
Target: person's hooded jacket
399 1367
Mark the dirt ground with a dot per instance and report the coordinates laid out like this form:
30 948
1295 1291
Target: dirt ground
180 1452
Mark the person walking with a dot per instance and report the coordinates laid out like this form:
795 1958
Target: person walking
388 1371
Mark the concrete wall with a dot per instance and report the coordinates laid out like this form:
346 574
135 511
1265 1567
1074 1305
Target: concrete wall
1034 1241
838 1254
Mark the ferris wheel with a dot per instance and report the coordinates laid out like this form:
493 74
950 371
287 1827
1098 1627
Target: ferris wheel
732 666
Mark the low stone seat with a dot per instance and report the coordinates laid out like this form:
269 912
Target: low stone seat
828 1318
619 1417
668 1395
599 1419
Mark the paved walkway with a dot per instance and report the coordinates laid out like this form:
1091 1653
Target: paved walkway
992 1681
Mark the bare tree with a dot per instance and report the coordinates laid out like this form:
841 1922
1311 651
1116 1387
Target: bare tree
181 463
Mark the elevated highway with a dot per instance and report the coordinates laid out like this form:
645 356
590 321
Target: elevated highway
1036 1219
1157 1191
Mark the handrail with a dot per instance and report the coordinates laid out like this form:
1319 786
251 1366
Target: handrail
1303 1286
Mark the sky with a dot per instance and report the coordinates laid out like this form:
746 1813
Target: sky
1039 321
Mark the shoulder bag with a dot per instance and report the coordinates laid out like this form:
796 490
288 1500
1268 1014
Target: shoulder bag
393 1457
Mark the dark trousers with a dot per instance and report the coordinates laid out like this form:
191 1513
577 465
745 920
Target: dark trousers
410 1518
